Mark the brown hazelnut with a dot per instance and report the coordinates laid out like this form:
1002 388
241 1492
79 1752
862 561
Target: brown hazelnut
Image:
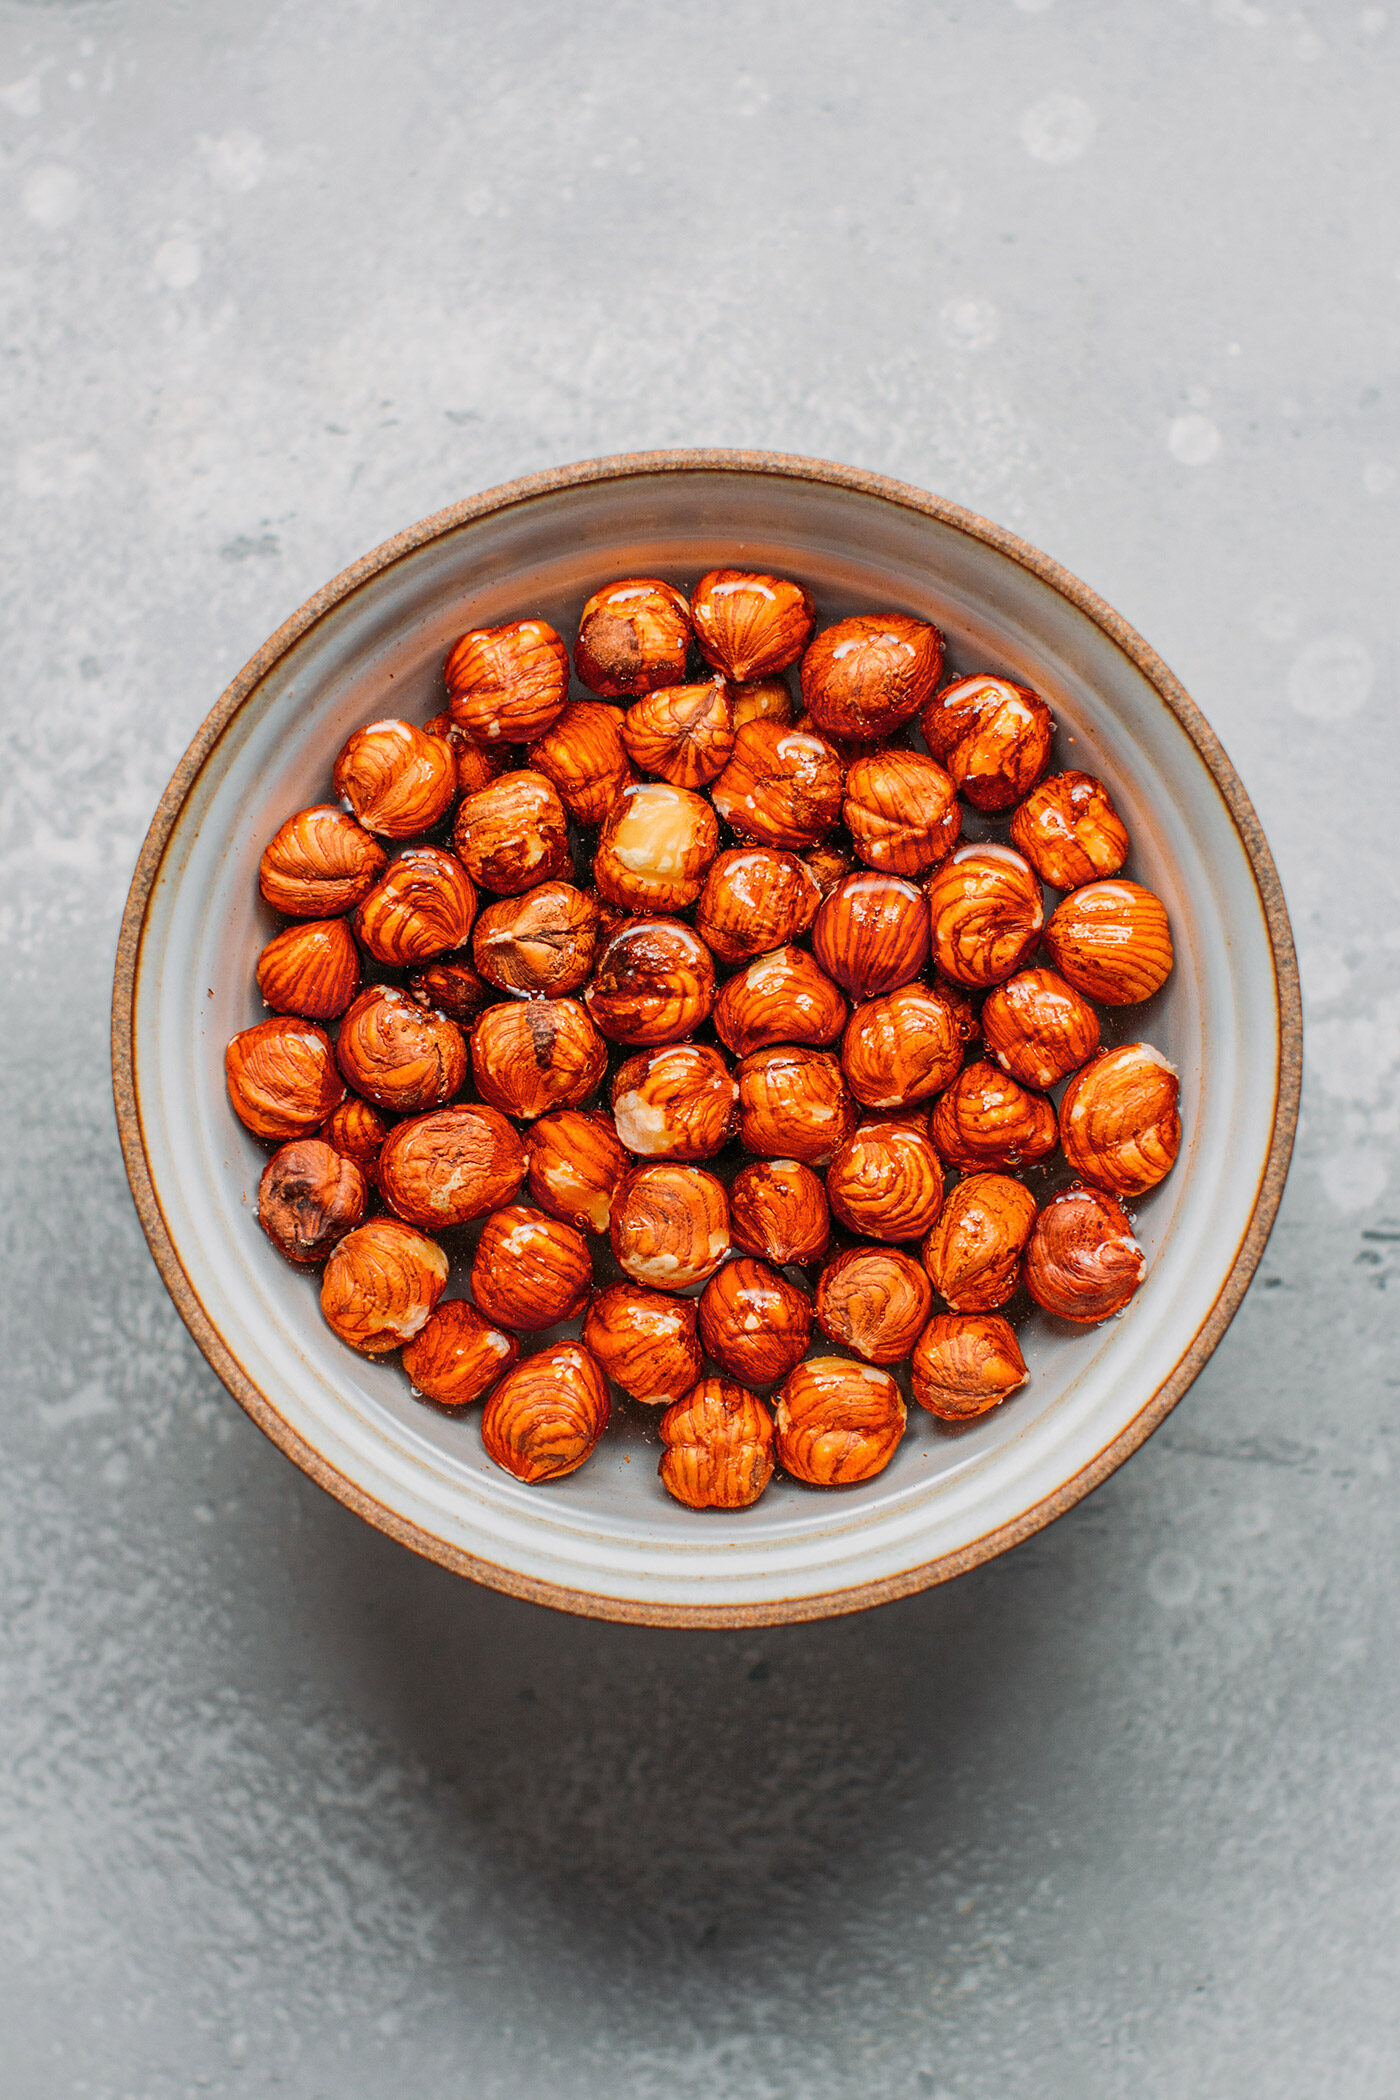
645 1341
311 969
452 986
864 676
676 1102
357 1132
719 1447
753 1322
309 1197
506 685
1083 1263
793 1104
1119 1125
750 626
538 944
1038 1028
476 764
655 845
1112 941
401 1056
424 905
755 899
780 998
903 1047
988 1119
1069 831
875 1301
512 834
994 737
584 756
532 1055
837 1422
871 933
282 1080
380 1285
546 1416
965 1365
682 733
457 1356
320 864
655 982
973 1254
670 1225
901 810
781 787
778 1207
632 637
761 700
398 780
886 1182
985 914
828 866
530 1270
576 1161
441 1169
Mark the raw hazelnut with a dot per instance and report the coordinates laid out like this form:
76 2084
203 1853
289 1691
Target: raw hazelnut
676 1102
901 810
973 1254
964 1366
755 899
532 1055
357 1132
320 864
871 933
1069 831
864 676
1112 941
780 998
452 986
282 1079
988 1119
380 1285
1119 1125
441 1169
586 759
886 1182
761 700
424 905
476 765
749 626
903 1047
670 1225
837 1422
530 1270
1082 1262
311 969
645 1341
400 1055
1038 1028
753 1322
719 1447
828 866
458 1356
778 1207
985 913
398 780
512 834
539 944
793 1104
655 982
632 637
781 786
654 848
683 733
577 1161
309 1197
506 685
1000 757
546 1416
874 1301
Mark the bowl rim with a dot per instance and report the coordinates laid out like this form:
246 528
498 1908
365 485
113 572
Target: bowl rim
587 1603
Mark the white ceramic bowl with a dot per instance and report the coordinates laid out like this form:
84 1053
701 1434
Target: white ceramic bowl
607 1540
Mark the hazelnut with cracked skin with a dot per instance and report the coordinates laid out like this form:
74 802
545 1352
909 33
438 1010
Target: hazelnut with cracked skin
903 1047
837 1422
576 1162
1112 941
753 1322
748 625
441 1169
319 864
1119 1125
398 779
719 1447
512 834
632 637
546 1416
871 933
423 905
1083 1262
793 1104
781 787
779 998
457 1356
357 1132
994 737
646 1342
670 1225
532 1055
988 1119
654 848
476 765
875 1301
778 1208
682 733
886 1182
540 944
679 1101
901 810
864 676
828 866
755 899
761 700
399 1055
381 1284
965 1365
1038 1028
452 986
1070 831
311 969
655 982
309 1197
985 915
282 1080
584 756
973 1254
530 1270
506 685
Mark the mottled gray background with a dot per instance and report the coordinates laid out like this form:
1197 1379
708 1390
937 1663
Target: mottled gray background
282 1809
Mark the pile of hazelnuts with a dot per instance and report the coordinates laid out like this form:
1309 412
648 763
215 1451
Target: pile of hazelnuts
579 946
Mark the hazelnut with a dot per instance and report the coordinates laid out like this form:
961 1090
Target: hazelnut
886 1182
793 1104
655 982
987 1119
399 1055
985 913
749 626
584 756
864 676
546 1416
357 1132
282 1079
476 765
753 1322
512 834
760 700
1069 831
311 969
755 899
871 933
506 685
901 810
632 637
973 1254
654 848
827 866
1119 1125
309 1197
719 1447
538 944
837 1422
530 1270
676 1102
1082 1262
670 1225
457 1356
874 1301
424 905
778 1207
380 1285
1112 941
536 1054
576 1161
1005 750
441 1169
452 986
645 1341
1038 1028
903 1047
320 864
963 1366
780 998
398 780
781 786
683 733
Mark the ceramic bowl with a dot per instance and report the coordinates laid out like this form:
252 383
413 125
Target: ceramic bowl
608 1541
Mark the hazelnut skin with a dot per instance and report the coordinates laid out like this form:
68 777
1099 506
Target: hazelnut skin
864 676
399 1055
761 700
309 1197
985 915
886 1182
676 1102
987 1119
512 834
780 998
1119 1126
633 636
311 969
903 1047
1070 832
532 1055
793 1104
441 1169
585 758
778 1207
457 1356
645 1341
1083 1262
282 1080
750 625
837 1422
993 736
781 787
475 764
670 1225
1038 1028
901 810
872 933
828 866
753 1322
576 1161
719 1447
1112 941
655 845
357 1132
973 1254
755 899
966 1365
874 1301
380 1285
682 733
452 986
530 1270
506 685
398 779
320 864
540 944
423 905
654 983
546 1416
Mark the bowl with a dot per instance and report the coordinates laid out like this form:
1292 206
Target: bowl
608 1541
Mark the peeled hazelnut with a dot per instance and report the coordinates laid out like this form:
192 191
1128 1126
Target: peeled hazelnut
1038 1028
424 905
399 1055
1004 753
874 1301
864 676
512 834
903 1047
871 933
1083 1263
1119 1125
964 1366
441 1169
476 765
828 866
683 733
793 1104
676 1102
632 637
309 1197
546 1416
320 864
1069 831
398 779
357 1132
837 1422
506 685
540 944
452 986
886 1182
719 1447
645 1341
753 1322
780 998
761 700
311 969
755 899
655 982
654 848
901 810
282 1079
530 1270
380 1285
536 1054
778 1207
987 1119
584 756
985 913
577 1161
458 1356
1112 941
670 1225
973 1254
749 626
781 786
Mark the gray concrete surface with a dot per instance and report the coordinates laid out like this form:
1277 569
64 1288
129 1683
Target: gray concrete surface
284 1811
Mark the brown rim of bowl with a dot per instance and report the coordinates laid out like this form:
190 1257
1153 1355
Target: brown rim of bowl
831 1603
